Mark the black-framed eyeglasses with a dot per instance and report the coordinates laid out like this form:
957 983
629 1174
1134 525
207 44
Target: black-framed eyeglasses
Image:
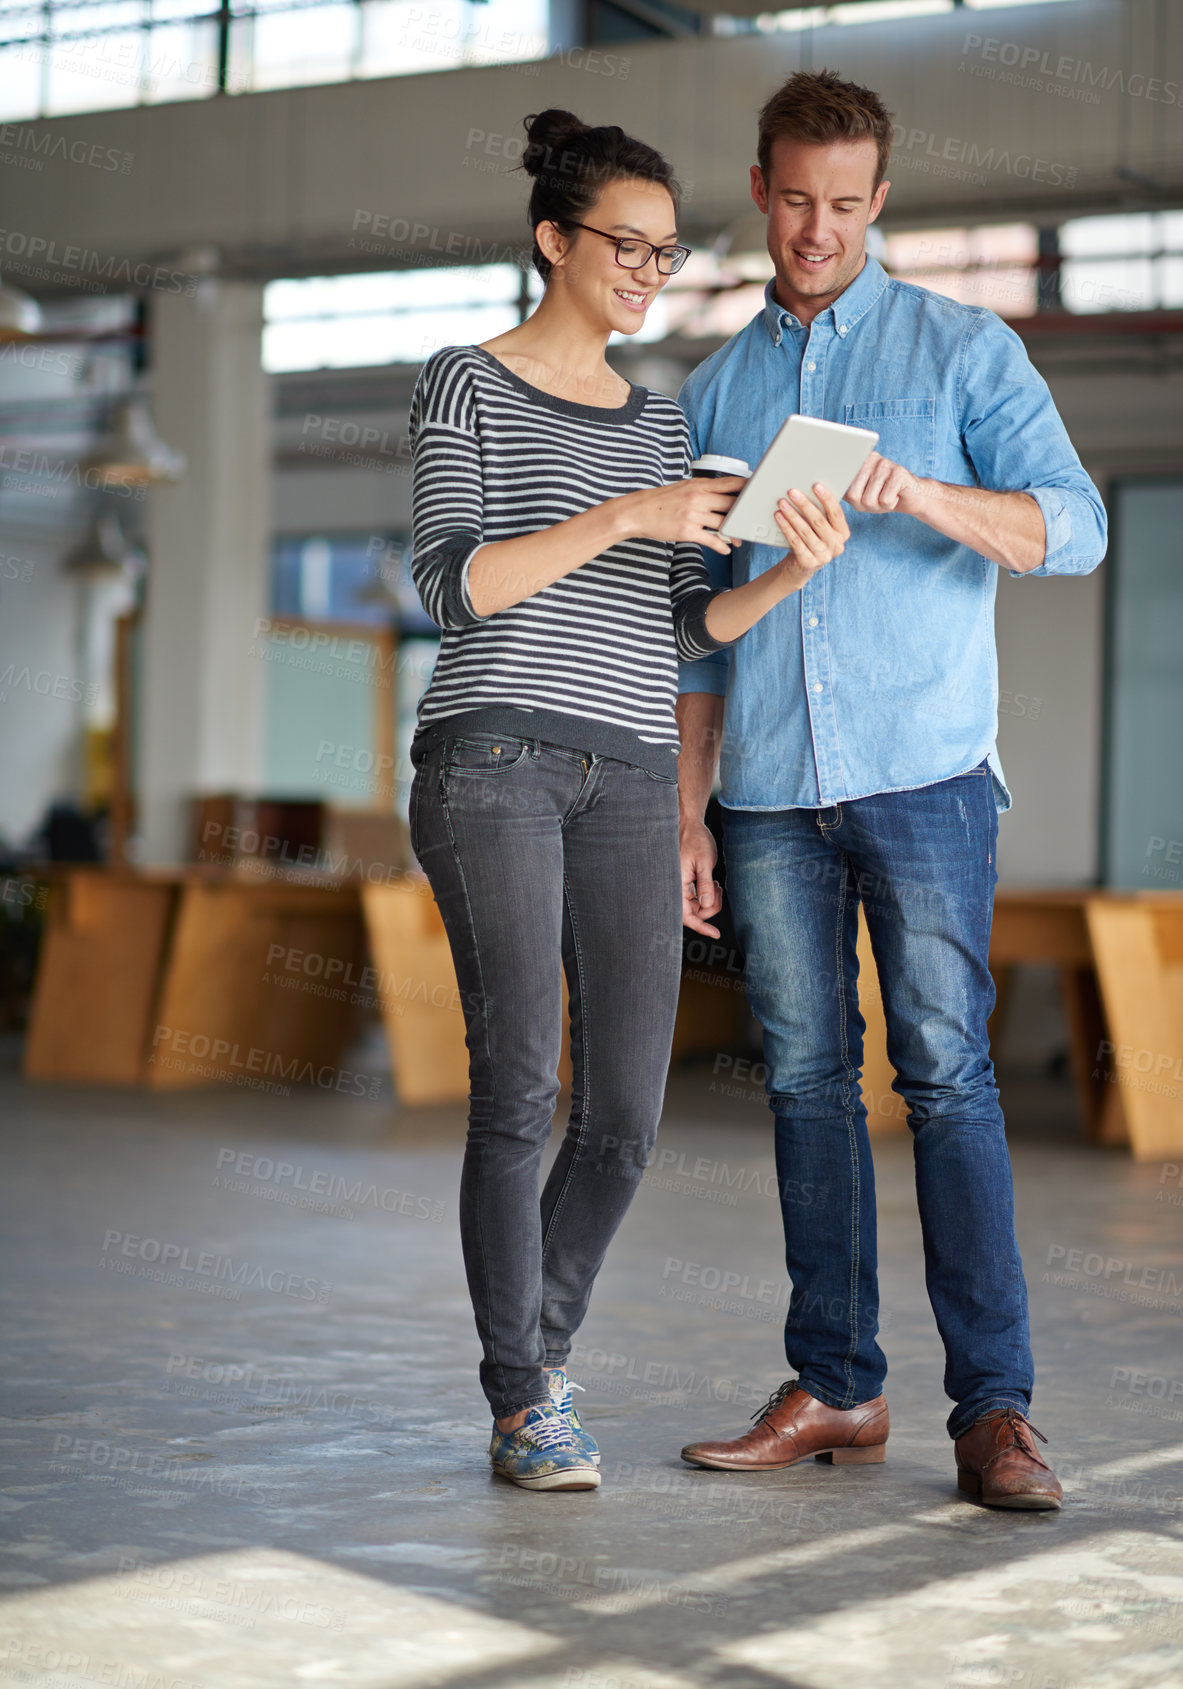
634 254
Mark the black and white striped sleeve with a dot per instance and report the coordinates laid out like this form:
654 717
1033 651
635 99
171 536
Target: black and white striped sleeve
447 489
691 586
690 594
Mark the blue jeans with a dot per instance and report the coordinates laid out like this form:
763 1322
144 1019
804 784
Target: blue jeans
546 860
922 865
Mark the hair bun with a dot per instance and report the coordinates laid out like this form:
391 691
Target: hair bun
548 133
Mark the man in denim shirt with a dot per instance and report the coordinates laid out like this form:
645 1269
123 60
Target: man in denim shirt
859 765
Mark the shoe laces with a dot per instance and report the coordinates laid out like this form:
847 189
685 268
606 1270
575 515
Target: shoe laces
779 1395
547 1431
562 1397
1018 1424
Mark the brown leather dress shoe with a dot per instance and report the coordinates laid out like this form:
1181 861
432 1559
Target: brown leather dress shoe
997 1462
791 1426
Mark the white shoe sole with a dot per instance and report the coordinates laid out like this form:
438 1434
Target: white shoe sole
583 1479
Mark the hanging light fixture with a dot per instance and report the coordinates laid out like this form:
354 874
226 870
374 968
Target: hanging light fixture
20 313
136 454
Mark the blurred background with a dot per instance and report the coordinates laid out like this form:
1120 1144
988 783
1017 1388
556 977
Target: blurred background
233 232
232 1061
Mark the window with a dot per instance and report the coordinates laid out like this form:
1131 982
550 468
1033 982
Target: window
385 317
994 266
59 56
351 578
1130 262
852 12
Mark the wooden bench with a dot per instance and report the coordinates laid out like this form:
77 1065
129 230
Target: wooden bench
1120 957
200 976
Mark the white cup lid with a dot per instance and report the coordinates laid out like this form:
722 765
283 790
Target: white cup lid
722 465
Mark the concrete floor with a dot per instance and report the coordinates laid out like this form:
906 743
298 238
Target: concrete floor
265 1464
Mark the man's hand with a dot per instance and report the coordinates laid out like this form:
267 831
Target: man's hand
881 486
701 893
1006 527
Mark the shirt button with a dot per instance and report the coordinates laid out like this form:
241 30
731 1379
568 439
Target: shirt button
811 367
817 686
813 621
841 328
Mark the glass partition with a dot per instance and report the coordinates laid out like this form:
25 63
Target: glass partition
1142 823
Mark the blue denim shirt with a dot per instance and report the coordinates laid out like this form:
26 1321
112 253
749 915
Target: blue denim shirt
881 674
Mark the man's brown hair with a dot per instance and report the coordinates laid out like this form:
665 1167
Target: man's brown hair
817 107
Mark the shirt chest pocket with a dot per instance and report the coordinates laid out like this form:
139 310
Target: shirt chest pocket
906 429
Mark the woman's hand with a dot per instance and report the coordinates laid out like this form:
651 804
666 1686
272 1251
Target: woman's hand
814 537
685 510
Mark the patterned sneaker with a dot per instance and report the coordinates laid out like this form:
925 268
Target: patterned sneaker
542 1454
560 1394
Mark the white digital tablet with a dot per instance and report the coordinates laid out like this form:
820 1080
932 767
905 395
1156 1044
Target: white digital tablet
805 450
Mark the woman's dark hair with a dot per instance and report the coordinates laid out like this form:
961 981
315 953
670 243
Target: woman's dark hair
572 162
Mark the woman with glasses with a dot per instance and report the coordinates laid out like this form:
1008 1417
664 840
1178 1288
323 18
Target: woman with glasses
556 542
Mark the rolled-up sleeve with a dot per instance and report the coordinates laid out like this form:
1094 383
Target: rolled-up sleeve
1017 443
447 492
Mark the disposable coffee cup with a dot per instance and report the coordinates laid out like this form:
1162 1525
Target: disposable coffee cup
712 464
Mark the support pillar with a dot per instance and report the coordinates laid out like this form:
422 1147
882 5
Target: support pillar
200 707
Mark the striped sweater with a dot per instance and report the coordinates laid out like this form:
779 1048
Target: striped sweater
590 662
